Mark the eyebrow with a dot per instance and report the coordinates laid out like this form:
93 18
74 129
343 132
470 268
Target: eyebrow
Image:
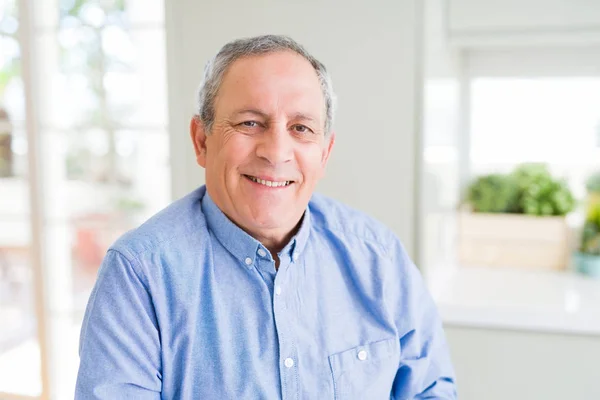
251 111
304 117
297 116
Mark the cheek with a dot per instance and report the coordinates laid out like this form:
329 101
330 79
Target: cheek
310 162
235 152
240 146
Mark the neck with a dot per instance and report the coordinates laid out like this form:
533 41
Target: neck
275 242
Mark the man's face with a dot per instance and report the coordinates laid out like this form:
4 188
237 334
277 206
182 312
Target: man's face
267 148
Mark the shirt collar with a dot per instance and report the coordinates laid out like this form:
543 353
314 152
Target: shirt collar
241 244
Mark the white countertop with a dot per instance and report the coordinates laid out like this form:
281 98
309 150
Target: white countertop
539 301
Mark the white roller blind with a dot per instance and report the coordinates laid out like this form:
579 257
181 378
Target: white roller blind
534 62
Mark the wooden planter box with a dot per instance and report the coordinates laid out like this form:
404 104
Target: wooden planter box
513 240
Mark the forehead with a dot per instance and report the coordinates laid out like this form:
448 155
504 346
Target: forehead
275 82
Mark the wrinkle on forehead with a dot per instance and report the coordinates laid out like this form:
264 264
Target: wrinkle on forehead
275 84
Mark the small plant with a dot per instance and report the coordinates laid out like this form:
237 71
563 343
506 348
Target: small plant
587 258
593 183
590 239
529 189
495 193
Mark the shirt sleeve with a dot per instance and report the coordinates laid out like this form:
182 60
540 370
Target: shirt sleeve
425 370
119 346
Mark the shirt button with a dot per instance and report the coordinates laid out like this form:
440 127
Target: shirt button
278 290
289 362
262 253
248 261
362 355
295 257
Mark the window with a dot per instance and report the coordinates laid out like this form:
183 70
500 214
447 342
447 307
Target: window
499 109
553 120
98 99
487 111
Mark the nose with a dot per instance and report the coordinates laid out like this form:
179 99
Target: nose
275 145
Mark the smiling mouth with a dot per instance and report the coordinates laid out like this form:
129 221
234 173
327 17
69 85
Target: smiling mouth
274 184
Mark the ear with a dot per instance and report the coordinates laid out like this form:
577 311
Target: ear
327 152
198 135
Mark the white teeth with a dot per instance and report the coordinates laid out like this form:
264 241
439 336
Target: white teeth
269 183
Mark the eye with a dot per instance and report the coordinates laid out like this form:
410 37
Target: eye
301 129
249 127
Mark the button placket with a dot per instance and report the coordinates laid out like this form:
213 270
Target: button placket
287 347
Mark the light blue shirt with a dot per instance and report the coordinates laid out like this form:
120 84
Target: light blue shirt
189 306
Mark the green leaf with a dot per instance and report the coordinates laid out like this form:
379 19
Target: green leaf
492 193
529 189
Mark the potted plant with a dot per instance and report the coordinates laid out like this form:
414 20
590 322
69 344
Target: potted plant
587 257
516 220
593 189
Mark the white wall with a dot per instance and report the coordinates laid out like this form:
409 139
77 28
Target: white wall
441 165
371 51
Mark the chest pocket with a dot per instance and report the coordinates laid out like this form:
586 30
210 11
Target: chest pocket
367 371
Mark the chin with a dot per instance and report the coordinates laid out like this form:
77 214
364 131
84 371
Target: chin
271 220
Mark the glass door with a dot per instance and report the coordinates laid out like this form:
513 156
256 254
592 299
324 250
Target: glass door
87 111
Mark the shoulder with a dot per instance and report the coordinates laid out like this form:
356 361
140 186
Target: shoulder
171 226
336 218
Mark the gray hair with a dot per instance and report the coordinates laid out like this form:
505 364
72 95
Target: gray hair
215 70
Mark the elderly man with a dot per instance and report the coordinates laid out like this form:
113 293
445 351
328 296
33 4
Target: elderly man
253 287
